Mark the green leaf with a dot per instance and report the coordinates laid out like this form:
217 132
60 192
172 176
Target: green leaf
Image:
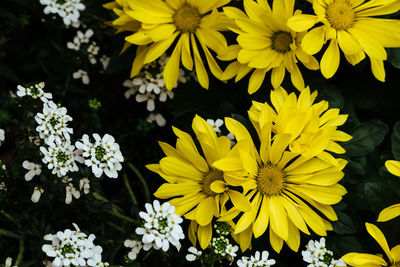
366 136
394 57
378 196
396 141
344 225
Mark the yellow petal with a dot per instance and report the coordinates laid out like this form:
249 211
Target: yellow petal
330 60
278 218
389 213
203 214
192 232
275 240
393 167
261 223
187 60
348 43
256 80
205 234
159 48
171 71
173 190
314 40
363 259
239 201
302 22
201 72
380 238
218 187
378 69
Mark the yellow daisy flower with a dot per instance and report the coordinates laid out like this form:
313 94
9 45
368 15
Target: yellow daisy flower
266 43
279 183
351 26
312 126
370 260
189 21
198 190
393 211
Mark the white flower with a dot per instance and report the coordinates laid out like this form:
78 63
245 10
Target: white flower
93 49
105 60
34 169
84 184
70 191
3 186
103 155
256 260
2 136
37 192
81 74
149 98
75 45
158 118
8 262
53 123
216 124
231 137
231 250
317 255
85 37
60 157
194 254
135 246
72 247
35 91
161 227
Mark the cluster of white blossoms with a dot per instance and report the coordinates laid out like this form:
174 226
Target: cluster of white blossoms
35 91
135 247
72 247
53 123
161 226
68 10
2 136
317 255
149 87
60 157
82 42
259 260
104 155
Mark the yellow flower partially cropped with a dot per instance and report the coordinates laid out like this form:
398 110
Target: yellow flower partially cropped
351 26
393 211
194 187
190 22
370 260
280 185
266 44
312 126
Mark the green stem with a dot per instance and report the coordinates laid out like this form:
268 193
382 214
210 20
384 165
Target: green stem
21 252
142 180
126 218
7 233
128 186
9 217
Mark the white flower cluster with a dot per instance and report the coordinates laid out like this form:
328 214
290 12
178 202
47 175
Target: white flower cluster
103 155
317 255
135 247
149 86
60 157
68 10
82 42
53 123
35 91
259 259
72 247
2 136
160 227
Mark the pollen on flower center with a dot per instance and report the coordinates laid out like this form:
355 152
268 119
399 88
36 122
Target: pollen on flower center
281 42
187 18
340 15
209 178
270 180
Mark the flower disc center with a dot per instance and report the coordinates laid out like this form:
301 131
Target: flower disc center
187 18
270 180
340 15
281 42
209 178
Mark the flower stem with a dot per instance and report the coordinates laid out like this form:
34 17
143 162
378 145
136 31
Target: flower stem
142 180
128 187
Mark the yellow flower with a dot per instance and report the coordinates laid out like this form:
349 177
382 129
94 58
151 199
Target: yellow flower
364 259
266 43
198 190
279 183
312 126
350 25
189 21
393 211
